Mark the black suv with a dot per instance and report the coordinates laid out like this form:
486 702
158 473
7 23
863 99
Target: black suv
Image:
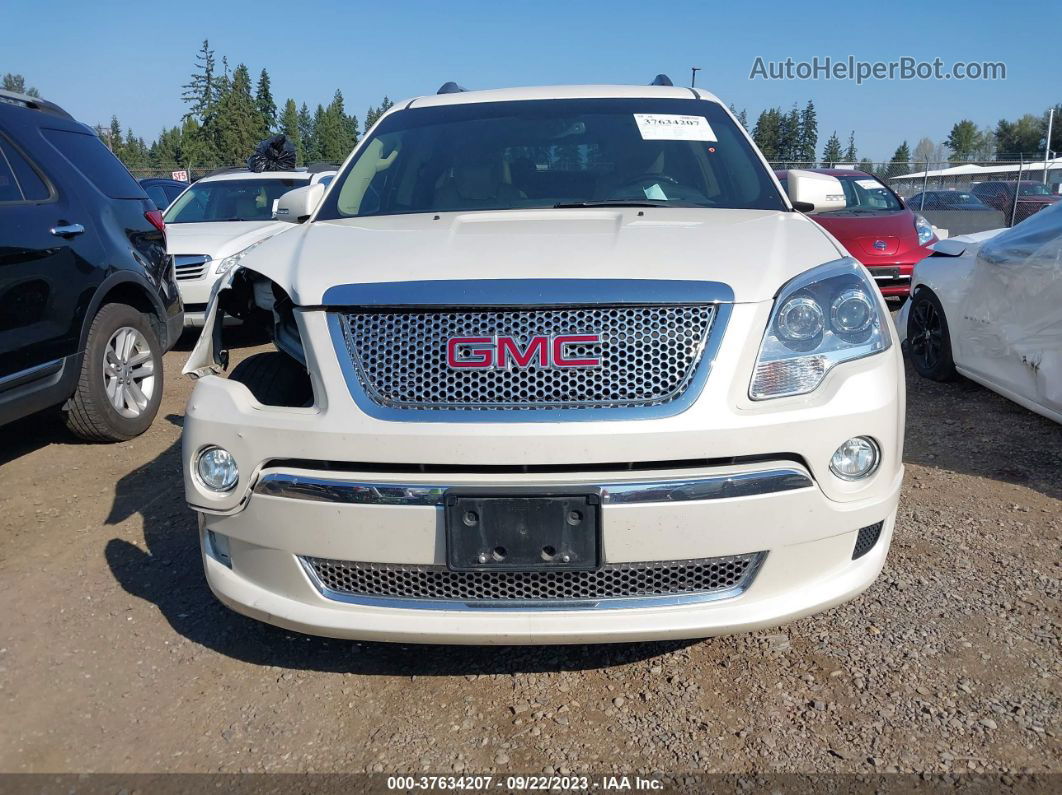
88 297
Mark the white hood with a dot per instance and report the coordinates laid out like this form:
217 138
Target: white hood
219 239
752 251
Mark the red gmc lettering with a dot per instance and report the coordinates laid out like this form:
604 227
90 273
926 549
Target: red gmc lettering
561 360
480 352
537 347
483 353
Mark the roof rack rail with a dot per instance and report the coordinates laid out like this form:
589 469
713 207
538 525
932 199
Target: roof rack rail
661 80
33 103
450 87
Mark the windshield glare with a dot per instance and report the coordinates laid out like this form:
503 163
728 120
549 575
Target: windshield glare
538 154
230 200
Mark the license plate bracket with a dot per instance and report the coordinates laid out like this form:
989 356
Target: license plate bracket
515 532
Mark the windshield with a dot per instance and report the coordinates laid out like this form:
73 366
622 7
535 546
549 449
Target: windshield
230 200
550 153
1034 189
863 194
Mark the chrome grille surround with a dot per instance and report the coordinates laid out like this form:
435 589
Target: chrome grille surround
190 266
617 585
649 356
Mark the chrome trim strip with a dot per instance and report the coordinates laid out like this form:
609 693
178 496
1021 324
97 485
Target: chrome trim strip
526 293
714 487
693 389
30 374
611 603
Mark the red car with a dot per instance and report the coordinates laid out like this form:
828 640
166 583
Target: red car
876 228
1032 197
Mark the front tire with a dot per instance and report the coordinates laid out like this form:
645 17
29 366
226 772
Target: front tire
120 386
928 338
275 379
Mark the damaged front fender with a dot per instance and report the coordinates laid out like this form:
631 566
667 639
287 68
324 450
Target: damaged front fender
208 357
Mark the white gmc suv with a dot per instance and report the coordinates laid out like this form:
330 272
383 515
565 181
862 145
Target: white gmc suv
555 365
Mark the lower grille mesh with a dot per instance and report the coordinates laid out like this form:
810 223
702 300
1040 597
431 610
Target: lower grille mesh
616 581
867 538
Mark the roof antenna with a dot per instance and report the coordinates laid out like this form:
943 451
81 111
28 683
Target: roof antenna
450 88
661 80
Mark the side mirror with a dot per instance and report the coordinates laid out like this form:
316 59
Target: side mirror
811 192
297 205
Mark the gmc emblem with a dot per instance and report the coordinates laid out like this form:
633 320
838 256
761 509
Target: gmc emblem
503 353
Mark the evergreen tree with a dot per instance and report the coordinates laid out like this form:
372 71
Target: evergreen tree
167 152
867 166
114 137
289 126
238 123
201 92
789 136
963 141
740 116
306 135
850 153
267 108
767 132
832 153
373 114
900 163
809 134
134 151
334 134
320 130
17 83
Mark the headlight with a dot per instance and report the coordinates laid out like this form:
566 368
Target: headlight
924 230
217 469
230 262
825 316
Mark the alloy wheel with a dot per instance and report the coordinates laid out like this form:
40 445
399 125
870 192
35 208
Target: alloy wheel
926 334
128 372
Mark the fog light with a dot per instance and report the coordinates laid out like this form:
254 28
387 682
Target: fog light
856 459
217 469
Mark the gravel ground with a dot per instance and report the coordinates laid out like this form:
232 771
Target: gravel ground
114 656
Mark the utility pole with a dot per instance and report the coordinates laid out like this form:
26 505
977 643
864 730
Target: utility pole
1047 143
693 76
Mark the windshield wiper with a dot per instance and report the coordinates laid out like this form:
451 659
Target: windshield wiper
626 203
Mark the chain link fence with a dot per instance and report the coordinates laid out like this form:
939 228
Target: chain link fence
966 196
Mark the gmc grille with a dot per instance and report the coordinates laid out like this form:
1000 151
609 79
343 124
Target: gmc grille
648 356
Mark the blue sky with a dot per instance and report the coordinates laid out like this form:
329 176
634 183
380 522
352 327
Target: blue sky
130 59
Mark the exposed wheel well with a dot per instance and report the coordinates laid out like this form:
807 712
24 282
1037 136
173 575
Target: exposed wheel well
136 296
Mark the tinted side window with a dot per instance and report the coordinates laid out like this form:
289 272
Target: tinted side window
158 196
88 155
29 179
9 191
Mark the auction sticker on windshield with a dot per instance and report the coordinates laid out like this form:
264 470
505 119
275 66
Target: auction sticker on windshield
673 127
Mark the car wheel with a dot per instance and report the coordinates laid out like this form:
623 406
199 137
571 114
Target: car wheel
120 387
928 340
275 379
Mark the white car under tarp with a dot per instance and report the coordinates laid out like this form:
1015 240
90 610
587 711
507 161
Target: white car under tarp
1001 298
